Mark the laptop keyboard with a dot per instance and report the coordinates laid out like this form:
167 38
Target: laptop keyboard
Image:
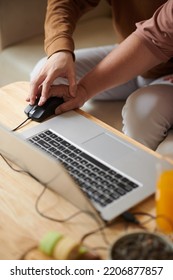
102 184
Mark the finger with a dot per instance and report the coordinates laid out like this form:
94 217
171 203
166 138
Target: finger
34 89
67 106
60 91
72 84
45 91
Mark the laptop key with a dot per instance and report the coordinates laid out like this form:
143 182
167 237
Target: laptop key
44 144
99 182
121 191
94 161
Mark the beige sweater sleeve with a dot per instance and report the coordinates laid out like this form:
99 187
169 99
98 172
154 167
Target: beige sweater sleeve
60 22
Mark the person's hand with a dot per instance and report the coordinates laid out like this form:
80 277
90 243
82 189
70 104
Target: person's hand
70 102
169 78
60 64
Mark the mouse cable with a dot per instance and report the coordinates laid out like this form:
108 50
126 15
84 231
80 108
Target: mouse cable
45 187
130 218
17 127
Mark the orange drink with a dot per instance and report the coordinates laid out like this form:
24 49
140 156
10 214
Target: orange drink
164 201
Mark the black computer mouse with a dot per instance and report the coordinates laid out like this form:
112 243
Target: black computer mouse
40 113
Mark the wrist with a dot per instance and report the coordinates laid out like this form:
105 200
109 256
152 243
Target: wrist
83 90
65 52
88 85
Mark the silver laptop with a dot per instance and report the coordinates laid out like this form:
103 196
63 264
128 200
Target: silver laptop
98 171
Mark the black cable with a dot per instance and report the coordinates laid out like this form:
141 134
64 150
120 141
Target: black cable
17 127
151 217
14 169
93 232
55 219
51 218
127 216
41 194
130 218
144 214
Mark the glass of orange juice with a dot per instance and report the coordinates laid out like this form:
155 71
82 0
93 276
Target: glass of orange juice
164 195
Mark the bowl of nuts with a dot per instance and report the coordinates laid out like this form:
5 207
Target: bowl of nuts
142 245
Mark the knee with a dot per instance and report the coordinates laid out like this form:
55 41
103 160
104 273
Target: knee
136 113
144 116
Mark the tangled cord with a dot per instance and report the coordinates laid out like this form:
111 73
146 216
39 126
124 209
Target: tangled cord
45 187
127 217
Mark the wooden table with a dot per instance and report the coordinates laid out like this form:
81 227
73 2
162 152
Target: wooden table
21 226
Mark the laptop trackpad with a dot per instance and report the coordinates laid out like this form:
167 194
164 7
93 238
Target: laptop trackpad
108 147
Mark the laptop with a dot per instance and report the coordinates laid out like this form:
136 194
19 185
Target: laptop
100 172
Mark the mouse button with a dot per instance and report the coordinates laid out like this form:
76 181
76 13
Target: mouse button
55 103
50 101
59 101
36 112
28 109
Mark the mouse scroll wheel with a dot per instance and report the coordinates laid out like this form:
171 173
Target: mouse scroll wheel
32 111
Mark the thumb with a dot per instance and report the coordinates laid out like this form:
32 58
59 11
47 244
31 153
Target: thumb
66 106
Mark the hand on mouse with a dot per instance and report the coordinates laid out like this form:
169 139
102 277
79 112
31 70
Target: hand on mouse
60 64
70 102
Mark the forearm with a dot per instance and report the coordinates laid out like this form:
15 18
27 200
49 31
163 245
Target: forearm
60 22
130 59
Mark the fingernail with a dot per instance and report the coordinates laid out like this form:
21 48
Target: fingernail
42 101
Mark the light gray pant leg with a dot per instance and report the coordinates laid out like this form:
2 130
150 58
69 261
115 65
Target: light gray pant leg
148 114
39 65
86 59
166 146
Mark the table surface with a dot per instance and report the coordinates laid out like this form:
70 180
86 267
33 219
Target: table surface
21 226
